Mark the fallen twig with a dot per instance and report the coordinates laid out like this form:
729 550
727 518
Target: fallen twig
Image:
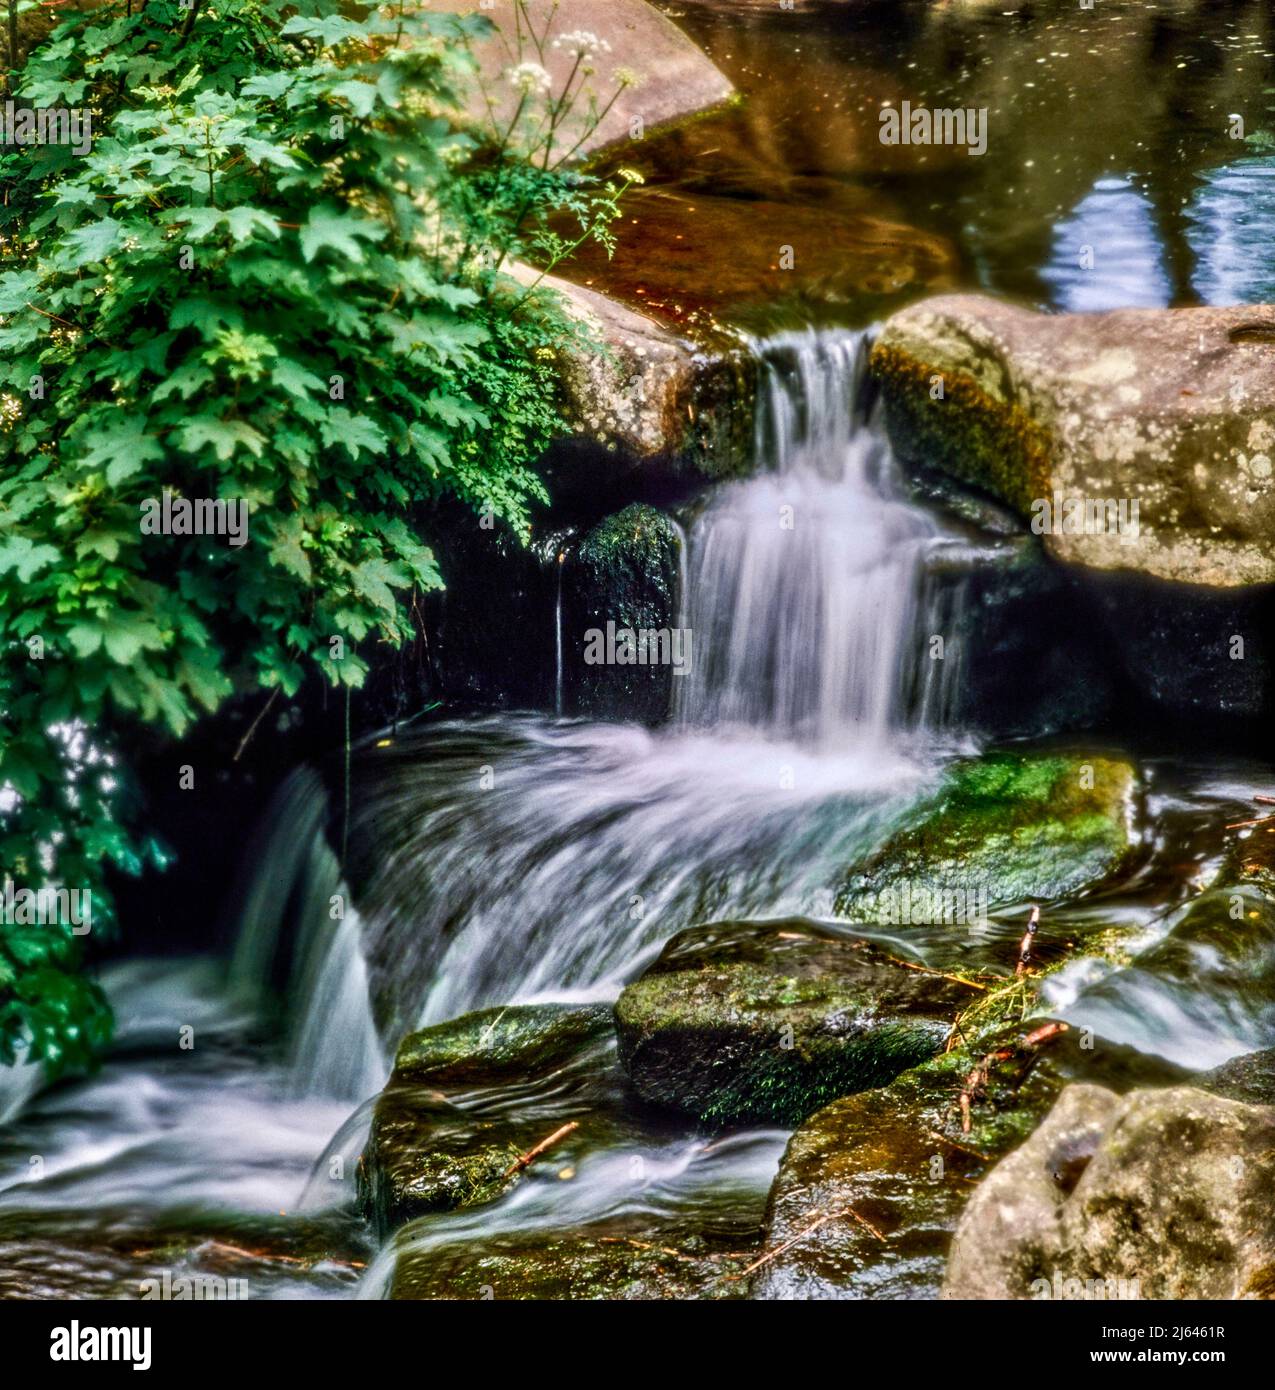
802 1234
1025 945
532 1154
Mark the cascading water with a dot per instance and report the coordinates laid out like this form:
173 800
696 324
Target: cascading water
805 579
525 857
296 882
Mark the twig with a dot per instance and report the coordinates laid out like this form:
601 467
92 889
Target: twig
1025 945
802 1234
252 728
532 1154
940 974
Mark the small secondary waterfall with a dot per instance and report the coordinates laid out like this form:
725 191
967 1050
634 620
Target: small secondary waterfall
333 1045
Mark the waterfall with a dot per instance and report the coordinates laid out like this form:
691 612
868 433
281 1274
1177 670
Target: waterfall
805 579
295 883
520 857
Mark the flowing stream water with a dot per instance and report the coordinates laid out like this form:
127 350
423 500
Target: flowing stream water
530 857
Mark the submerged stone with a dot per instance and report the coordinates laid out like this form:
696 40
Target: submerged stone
1003 829
443 1133
765 1022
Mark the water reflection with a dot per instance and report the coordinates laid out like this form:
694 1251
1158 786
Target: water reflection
1232 225
1106 253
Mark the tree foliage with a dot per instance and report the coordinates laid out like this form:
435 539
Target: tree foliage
279 277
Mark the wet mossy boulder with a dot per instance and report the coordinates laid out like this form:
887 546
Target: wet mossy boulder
433 1148
766 1022
623 1259
1003 829
501 1044
621 646
1157 1194
871 1187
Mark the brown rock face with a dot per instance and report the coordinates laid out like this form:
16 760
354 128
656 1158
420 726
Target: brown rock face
1171 411
671 77
1157 1194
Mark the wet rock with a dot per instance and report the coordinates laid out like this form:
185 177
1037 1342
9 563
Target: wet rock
766 1022
1159 1194
1031 661
619 617
628 1258
1005 828
1172 408
671 77
902 1161
503 1044
443 1136
1250 1078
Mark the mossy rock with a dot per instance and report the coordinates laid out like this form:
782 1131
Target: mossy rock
901 1159
625 1259
766 1022
625 573
500 1044
425 1153
1010 827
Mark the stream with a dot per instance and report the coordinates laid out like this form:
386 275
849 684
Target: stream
526 857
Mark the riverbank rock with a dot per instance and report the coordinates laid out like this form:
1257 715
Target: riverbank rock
433 1147
648 411
662 77
1003 829
871 1187
766 1022
621 643
1174 409
1159 1194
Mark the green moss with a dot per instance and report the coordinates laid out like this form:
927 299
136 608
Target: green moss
970 434
1013 827
766 1022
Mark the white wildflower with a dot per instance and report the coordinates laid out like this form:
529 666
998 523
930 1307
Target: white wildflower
528 78
582 44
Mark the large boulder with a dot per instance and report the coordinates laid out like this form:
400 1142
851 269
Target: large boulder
1003 829
1158 1194
660 75
766 1022
1173 409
